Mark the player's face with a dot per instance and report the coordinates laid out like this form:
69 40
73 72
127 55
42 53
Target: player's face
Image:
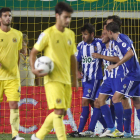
64 19
110 35
87 37
105 38
6 18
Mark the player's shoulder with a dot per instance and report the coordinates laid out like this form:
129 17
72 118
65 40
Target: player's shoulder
69 31
98 42
16 31
122 38
48 30
80 44
98 39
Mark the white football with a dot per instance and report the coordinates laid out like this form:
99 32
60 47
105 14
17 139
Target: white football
45 64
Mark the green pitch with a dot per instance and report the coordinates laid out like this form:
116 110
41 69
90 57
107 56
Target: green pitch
53 137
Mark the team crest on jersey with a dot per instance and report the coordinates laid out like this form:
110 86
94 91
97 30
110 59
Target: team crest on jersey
14 39
89 90
95 48
58 101
124 86
69 42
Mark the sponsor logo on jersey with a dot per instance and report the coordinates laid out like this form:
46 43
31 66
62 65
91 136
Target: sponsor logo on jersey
87 59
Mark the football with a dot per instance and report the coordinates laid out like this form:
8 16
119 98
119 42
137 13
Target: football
45 64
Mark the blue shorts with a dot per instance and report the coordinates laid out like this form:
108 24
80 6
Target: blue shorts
90 89
109 86
129 88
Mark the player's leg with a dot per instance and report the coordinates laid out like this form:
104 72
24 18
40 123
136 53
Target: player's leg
87 89
90 91
84 114
55 93
112 110
95 105
126 88
127 117
12 92
105 92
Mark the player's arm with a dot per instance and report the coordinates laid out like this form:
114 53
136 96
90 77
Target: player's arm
79 73
108 58
39 46
74 71
127 56
33 56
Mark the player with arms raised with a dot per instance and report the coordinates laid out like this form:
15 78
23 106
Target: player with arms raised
10 44
58 43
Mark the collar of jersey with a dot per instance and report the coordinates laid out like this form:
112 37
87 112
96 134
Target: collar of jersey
6 32
58 30
90 43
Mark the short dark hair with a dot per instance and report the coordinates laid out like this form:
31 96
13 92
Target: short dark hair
4 9
89 27
115 19
113 26
63 6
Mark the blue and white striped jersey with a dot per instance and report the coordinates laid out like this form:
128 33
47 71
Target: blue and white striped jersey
121 70
91 68
124 43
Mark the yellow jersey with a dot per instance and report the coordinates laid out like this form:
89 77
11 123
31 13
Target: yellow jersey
58 46
10 43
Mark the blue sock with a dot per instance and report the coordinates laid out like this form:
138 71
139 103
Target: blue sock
102 121
138 114
107 116
112 112
119 115
83 118
127 120
94 119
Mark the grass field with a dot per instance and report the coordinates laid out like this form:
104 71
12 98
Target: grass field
53 137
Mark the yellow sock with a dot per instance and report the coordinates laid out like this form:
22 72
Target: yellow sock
46 127
14 121
59 127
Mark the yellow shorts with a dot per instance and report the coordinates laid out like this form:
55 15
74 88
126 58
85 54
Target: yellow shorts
11 88
58 95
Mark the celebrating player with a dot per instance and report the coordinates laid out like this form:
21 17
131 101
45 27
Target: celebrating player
129 86
58 43
10 44
91 78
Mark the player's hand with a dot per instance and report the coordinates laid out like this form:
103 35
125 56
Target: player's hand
75 84
110 67
96 55
79 75
38 72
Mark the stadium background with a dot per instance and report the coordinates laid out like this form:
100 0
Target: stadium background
32 17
